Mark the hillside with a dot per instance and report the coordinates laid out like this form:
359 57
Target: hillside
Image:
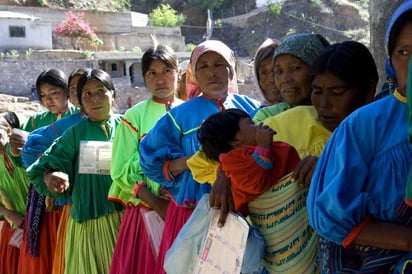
338 20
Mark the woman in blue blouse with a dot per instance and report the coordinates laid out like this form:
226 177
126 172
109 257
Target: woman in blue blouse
173 139
356 197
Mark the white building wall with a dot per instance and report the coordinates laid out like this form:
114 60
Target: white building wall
38 35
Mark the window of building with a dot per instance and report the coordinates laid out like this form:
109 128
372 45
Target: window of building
17 31
114 67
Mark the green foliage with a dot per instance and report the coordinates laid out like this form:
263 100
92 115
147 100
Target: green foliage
364 3
218 23
165 16
28 52
42 3
2 55
122 4
276 8
14 54
290 31
136 49
190 47
87 54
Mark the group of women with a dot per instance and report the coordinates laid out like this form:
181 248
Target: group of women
80 187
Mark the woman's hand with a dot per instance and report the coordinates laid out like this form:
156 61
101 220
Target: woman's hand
158 204
17 143
161 207
264 136
15 218
178 165
304 170
221 196
56 181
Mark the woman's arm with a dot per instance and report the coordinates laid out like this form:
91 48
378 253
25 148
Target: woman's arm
15 217
385 235
157 203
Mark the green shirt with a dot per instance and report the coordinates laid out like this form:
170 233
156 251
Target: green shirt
46 118
272 110
13 188
88 191
125 167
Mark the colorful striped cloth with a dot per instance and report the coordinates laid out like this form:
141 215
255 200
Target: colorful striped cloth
280 215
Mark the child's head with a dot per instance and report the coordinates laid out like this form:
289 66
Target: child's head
218 132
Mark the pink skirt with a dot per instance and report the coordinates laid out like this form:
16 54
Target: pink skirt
176 217
132 253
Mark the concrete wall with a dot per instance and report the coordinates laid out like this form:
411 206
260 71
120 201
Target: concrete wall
38 34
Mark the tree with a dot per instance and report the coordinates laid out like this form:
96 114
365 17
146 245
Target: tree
165 16
77 29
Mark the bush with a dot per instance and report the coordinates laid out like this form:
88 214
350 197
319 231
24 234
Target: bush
166 16
276 8
77 29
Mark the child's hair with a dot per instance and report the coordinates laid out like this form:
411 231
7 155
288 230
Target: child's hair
218 131
11 118
54 77
96 74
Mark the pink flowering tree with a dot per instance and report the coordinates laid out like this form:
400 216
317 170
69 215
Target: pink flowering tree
77 29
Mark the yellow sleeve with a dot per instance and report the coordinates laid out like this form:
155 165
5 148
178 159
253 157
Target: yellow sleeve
203 169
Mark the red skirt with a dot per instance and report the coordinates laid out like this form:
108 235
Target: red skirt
176 217
132 253
48 234
9 255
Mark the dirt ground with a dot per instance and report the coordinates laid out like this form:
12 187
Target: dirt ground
24 107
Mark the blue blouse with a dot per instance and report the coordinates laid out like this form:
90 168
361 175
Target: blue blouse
175 136
363 170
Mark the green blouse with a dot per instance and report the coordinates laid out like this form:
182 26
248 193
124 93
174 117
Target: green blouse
13 186
87 191
125 167
46 118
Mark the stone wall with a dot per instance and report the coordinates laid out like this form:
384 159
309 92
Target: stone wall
18 75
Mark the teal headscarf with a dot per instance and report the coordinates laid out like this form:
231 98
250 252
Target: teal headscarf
303 46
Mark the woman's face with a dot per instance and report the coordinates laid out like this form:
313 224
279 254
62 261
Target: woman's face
97 100
400 56
73 91
334 99
53 98
267 82
161 80
213 75
292 79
